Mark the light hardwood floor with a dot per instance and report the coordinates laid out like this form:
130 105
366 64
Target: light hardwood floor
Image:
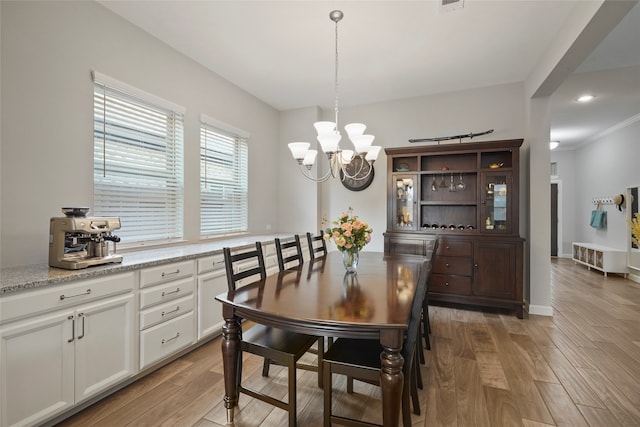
580 367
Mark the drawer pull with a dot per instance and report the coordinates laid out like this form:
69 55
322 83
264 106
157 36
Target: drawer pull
171 339
172 311
63 296
446 283
447 265
475 265
73 329
81 334
171 273
172 292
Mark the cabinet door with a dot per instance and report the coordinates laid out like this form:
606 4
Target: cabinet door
209 310
104 345
494 275
404 202
37 363
496 194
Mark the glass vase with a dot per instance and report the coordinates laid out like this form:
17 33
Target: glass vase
350 260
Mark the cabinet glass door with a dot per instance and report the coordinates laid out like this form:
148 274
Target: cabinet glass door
404 212
496 203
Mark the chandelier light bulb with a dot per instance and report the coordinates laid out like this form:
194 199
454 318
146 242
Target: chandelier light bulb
299 149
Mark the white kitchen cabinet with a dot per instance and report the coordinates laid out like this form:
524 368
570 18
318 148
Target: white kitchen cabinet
167 318
52 361
212 281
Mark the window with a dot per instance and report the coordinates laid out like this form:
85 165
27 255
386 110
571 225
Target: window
137 161
223 179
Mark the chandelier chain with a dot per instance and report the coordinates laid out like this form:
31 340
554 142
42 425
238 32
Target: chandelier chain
335 88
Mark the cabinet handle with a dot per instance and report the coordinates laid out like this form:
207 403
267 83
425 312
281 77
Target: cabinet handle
81 315
475 265
172 311
171 339
446 283
63 296
171 273
447 265
73 329
172 292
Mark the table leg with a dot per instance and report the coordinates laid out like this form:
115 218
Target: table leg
231 361
391 382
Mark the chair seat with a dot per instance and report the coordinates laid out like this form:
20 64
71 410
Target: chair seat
360 353
265 341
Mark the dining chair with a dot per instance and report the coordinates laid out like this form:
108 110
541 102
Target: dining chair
316 248
280 346
285 259
426 326
360 359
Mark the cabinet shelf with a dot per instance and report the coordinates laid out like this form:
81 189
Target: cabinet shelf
449 203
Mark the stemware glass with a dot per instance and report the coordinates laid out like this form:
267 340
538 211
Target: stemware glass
442 183
452 186
461 185
434 186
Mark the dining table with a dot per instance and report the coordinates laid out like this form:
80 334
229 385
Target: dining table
320 298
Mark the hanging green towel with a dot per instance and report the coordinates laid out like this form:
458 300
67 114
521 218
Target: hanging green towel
598 219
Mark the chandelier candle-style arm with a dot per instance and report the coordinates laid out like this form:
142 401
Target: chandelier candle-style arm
329 137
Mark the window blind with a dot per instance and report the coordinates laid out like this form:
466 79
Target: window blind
138 162
223 181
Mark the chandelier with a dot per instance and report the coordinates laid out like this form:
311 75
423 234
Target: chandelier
356 164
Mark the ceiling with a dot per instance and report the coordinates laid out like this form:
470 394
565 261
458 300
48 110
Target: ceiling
283 51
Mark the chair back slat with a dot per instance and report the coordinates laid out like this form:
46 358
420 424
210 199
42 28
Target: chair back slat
283 245
315 249
231 259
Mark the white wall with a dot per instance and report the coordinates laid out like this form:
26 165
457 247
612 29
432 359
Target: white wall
48 51
605 168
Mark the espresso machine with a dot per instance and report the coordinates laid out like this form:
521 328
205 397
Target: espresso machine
77 241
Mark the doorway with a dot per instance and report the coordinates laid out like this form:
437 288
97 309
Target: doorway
554 219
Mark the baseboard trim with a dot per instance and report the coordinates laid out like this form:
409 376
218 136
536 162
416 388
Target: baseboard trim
541 310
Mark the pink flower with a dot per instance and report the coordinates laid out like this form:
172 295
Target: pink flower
368 238
357 224
346 226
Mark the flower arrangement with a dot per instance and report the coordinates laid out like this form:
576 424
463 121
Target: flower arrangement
635 229
349 233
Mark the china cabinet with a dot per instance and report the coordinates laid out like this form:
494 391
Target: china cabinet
466 195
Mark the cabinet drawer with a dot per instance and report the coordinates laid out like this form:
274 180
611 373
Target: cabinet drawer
210 263
166 338
167 311
56 297
450 284
454 248
453 265
165 273
166 292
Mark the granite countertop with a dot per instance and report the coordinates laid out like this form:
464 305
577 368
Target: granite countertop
14 279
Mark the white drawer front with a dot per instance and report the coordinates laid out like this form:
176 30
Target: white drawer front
167 292
162 313
167 338
210 263
29 303
164 273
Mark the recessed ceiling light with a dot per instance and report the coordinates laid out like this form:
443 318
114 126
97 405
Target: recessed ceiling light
553 145
586 98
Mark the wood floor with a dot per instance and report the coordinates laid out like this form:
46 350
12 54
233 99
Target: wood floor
580 367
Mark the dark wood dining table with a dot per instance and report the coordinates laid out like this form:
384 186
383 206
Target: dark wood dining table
319 298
